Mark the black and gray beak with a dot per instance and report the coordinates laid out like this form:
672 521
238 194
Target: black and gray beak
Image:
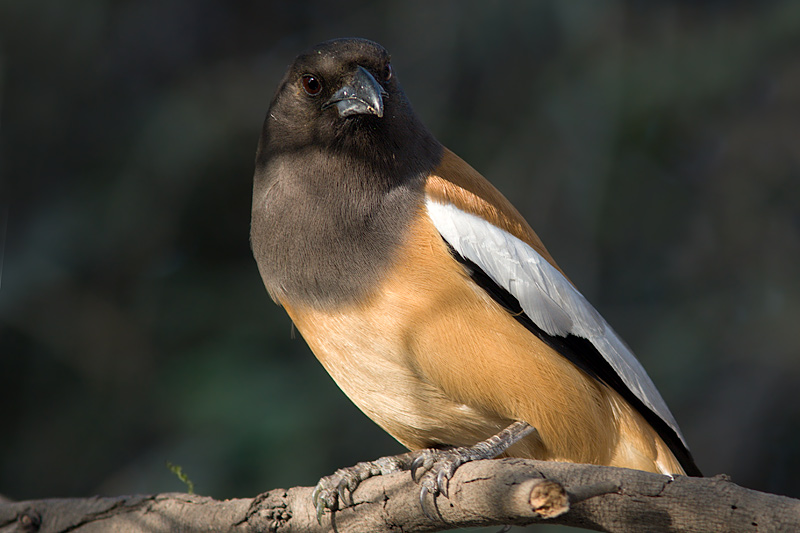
363 95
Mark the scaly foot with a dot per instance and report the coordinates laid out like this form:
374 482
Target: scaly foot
431 468
332 491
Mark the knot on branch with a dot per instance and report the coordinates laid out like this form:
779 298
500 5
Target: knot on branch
547 499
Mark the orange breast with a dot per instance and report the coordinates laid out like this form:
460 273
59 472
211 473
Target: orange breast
433 359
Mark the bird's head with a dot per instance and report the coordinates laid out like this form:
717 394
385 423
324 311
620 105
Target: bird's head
342 95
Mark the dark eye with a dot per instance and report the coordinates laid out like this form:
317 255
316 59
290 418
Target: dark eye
312 85
387 72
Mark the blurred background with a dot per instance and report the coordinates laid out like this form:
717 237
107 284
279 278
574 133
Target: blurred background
654 145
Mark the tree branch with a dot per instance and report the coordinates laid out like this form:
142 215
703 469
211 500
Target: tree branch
483 493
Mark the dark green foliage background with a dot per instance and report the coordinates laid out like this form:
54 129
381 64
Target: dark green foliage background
655 146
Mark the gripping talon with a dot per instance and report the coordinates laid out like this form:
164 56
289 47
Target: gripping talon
443 483
320 511
433 468
416 464
335 492
422 493
342 494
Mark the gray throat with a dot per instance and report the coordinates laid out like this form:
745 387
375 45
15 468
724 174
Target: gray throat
326 232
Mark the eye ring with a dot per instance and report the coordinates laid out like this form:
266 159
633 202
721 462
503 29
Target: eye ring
387 72
311 85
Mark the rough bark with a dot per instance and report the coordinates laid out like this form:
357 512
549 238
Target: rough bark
483 493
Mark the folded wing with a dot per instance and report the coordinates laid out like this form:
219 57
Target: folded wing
545 295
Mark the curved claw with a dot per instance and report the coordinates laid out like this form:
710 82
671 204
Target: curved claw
341 493
443 483
320 506
422 493
416 464
320 502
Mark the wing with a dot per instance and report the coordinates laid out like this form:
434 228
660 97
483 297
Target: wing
505 257
550 301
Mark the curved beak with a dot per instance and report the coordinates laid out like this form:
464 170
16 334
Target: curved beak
363 95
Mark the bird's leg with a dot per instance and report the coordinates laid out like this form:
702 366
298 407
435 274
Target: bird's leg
431 468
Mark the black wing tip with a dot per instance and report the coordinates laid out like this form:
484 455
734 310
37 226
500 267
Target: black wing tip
693 470
684 457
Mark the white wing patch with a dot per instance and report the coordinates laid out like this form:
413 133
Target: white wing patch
546 296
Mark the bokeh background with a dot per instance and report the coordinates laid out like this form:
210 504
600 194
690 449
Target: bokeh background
654 145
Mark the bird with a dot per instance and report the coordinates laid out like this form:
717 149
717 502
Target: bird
426 295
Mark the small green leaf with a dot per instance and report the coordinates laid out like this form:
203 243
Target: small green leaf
178 471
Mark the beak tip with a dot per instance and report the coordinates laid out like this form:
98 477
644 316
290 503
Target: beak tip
363 95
